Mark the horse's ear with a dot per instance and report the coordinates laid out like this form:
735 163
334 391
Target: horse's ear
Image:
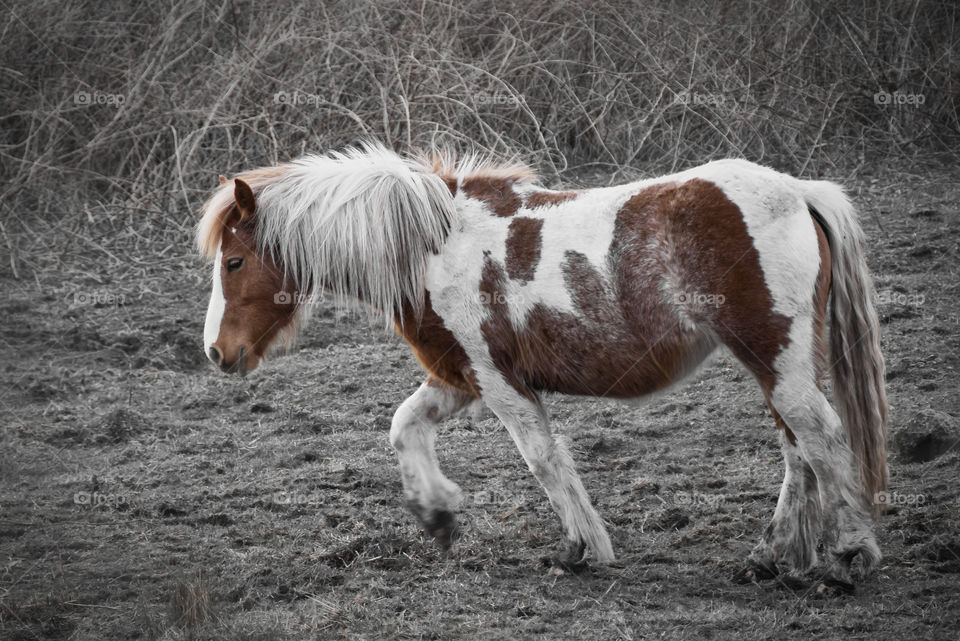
223 180
246 203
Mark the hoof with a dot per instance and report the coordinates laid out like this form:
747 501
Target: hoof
572 560
442 525
756 572
834 587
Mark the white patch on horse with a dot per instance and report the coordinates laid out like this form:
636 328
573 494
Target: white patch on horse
564 231
211 326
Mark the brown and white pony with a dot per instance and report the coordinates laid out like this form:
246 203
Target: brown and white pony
506 290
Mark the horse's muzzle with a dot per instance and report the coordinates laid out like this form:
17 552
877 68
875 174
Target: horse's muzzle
238 366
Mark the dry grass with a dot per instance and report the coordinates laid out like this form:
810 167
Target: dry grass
190 603
208 87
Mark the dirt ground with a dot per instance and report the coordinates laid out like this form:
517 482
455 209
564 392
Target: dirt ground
144 495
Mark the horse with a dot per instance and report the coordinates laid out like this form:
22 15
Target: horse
506 290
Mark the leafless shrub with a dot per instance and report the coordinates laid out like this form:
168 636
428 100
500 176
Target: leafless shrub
117 120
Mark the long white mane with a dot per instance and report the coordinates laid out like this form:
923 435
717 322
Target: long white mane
357 224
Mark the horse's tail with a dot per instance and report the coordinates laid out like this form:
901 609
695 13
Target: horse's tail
857 363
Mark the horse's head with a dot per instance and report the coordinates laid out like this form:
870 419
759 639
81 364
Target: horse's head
358 225
249 309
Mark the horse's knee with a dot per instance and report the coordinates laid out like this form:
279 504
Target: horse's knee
398 427
413 416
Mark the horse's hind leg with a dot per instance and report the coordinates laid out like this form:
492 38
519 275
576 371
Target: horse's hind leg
790 541
820 482
430 495
784 351
847 523
815 441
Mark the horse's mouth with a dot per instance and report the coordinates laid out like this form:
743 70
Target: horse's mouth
239 366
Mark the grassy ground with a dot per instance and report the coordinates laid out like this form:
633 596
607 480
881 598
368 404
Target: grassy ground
143 495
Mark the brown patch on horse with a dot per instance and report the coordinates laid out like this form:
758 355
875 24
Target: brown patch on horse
495 191
451 184
436 348
524 243
443 166
699 218
821 299
547 198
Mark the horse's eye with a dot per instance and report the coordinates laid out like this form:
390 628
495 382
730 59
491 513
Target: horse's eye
233 264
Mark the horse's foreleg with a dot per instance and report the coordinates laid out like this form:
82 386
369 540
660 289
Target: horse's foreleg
430 495
550 462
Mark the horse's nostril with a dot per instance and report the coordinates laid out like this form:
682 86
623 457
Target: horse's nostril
215 355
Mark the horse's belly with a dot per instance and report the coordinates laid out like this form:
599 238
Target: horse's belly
571 354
